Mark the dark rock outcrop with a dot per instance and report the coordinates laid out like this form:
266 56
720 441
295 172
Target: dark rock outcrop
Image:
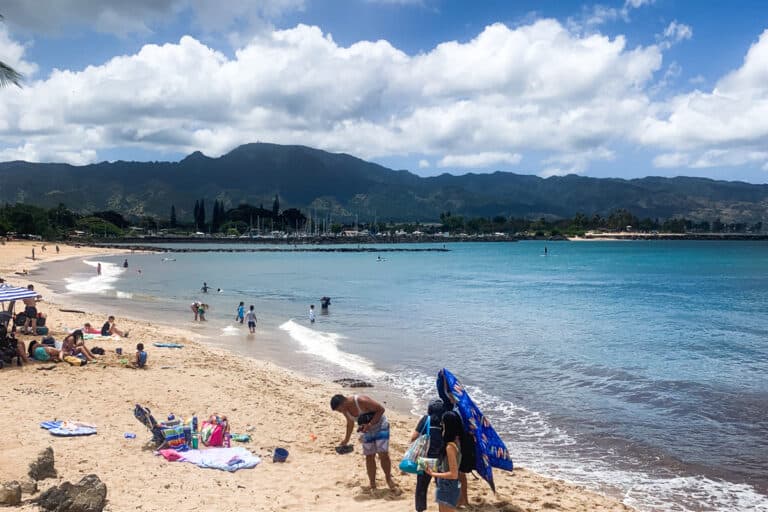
42 468
88 495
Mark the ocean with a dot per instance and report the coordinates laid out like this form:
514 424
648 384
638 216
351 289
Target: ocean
636 368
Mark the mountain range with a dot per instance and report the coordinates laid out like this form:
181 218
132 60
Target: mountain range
346 187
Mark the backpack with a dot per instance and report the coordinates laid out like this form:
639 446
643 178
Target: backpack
468 452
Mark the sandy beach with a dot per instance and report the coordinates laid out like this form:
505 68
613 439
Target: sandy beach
277 407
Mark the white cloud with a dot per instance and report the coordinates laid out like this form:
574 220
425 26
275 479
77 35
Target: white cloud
139 16
635 4
423 164
12 53
536 87
727 126
480 160
668 160
574 163
674 33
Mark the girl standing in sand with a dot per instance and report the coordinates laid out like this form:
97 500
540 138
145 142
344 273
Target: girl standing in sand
447 474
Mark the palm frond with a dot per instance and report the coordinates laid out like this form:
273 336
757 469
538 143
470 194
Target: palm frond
8 75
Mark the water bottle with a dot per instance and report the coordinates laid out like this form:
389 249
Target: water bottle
228 440
194 432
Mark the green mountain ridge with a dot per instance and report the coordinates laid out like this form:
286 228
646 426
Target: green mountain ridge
343 186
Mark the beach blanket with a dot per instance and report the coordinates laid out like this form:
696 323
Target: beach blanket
68 428
168 345
491 452
225 459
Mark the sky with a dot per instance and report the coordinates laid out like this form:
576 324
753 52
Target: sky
623 89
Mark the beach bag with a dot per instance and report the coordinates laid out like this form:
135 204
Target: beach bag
417 450
212 433
174 437
74 361
41 331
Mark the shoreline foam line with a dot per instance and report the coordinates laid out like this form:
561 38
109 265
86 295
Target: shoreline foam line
79 283
326 346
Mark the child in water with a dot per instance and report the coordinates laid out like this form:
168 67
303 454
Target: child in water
201 308
240 312
312 314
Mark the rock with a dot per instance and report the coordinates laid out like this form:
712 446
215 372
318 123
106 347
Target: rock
353 383
42 468
10 494
28 486
88 495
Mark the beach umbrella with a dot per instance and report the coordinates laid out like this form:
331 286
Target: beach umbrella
490 450
8 292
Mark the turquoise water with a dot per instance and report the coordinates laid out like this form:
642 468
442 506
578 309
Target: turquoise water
636 368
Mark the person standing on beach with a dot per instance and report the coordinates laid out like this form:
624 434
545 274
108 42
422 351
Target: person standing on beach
435 415
312 313
33 254
30 311
57 249
447 474
251 317
374 432
240 312
98 269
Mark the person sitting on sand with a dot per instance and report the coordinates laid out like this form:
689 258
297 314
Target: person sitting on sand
374 432
74 345
89 329
30 311
140 360
447 473
109 328
42 353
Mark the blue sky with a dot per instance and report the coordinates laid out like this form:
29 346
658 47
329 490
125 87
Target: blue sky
623 89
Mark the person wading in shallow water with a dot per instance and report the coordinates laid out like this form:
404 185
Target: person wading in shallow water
374 429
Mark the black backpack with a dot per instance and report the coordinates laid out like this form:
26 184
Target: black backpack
468 451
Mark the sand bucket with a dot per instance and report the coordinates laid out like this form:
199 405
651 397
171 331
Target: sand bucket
280 455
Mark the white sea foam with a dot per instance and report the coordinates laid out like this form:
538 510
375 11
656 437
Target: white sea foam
123 295
326 346
95 283
230 330
537 444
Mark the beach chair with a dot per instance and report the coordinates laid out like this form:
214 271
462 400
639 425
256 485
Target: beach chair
165 434
144 415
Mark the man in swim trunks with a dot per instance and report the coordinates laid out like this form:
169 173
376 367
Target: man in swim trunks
374 432
30 311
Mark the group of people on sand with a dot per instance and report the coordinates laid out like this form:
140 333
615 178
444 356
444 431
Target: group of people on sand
446 432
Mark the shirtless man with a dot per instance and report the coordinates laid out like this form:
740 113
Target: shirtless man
30 311
374 432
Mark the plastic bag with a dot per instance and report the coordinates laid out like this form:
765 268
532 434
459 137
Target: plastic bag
418 449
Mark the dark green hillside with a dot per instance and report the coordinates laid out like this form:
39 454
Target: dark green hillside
345 186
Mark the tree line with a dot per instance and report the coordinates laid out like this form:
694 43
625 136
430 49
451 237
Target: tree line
61 222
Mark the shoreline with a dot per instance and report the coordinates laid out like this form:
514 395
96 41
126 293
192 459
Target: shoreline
281 407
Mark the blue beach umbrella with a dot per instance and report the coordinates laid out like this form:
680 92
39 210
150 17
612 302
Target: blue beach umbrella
491 452
8 293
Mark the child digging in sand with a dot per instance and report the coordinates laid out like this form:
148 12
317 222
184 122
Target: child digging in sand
141 356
